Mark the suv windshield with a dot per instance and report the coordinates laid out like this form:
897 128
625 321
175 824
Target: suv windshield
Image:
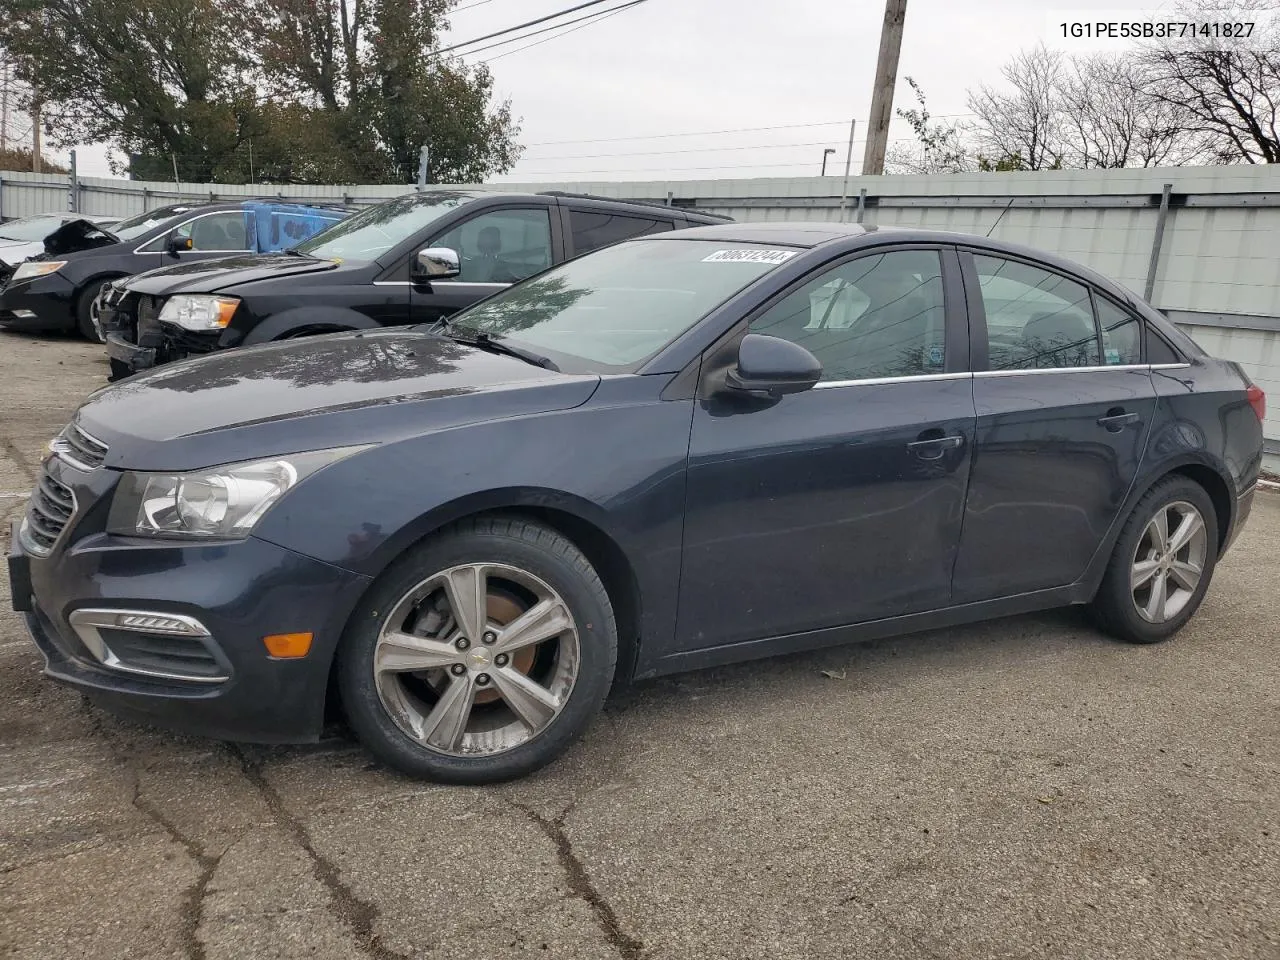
371 233
623 304
136 226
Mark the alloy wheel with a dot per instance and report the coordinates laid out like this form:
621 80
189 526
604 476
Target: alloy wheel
1168 563
476 659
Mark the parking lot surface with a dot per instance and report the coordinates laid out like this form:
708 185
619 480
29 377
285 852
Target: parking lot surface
1022 788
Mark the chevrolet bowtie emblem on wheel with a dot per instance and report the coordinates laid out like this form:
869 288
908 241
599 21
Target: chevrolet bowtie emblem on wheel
480 657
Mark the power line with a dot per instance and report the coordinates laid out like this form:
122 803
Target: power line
655 153
599 15
478 3
594 18
521 26
719 166
711 133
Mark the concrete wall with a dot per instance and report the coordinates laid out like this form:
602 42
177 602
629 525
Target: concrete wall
1217 274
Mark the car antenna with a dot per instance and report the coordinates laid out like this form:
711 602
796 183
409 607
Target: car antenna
1001 217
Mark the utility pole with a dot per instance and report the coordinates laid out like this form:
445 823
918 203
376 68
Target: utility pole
895 14
4 105
35 134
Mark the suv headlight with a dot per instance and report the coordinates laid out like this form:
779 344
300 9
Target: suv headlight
219 503
30 269
199 311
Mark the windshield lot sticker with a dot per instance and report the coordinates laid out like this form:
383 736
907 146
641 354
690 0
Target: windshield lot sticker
750 256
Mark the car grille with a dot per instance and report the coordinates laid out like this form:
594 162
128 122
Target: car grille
51 508
79 448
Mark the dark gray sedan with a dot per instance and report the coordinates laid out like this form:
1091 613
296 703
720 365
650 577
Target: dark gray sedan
713 445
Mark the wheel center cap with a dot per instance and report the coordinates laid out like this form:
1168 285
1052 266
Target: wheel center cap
479 658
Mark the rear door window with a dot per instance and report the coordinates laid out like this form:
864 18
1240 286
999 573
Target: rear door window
1121 334
1036 319
593 229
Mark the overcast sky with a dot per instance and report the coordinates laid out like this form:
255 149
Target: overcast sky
692 66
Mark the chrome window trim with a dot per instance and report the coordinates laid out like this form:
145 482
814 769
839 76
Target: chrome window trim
87 621
470 283
211 213
1093 369
878 381
920 378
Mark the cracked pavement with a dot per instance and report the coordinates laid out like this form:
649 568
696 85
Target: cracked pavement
1023 788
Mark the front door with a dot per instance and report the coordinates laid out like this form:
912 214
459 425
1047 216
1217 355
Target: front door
841 504
1064 408
495 249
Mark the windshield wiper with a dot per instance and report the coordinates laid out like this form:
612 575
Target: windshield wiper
486 341
294 252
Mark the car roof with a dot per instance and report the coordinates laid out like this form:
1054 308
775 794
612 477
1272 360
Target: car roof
807 234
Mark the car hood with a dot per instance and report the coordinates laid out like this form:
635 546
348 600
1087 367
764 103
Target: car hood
211 276
76 235
14 252
329 391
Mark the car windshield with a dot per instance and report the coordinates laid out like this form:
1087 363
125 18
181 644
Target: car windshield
371 233
30 228
621 305
136 226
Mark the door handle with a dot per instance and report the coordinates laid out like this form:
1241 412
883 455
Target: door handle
1117 419
933 448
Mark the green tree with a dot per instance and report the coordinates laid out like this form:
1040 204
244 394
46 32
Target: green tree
269 90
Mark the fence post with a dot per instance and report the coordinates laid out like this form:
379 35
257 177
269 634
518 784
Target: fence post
73 187
862 205
1 199
146 199
1157 242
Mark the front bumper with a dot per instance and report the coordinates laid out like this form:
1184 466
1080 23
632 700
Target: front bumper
237 593
127 357
41 303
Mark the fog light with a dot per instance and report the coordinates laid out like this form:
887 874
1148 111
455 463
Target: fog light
24 314
288 646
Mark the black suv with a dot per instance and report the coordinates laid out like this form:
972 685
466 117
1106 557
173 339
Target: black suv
367 271
59 288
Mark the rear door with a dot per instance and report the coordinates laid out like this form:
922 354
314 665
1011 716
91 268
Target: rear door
495 249
1065 405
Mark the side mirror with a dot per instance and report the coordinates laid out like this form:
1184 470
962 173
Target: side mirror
436 263
772 367
176 244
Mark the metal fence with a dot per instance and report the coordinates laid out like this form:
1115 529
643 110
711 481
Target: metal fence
1201 243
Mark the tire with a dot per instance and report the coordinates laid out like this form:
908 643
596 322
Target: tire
1125 610
394 708
84 310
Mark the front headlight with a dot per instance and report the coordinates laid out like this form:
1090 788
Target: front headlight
199 311
30 269
221 502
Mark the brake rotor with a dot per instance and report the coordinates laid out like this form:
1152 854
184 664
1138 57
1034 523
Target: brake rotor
502 609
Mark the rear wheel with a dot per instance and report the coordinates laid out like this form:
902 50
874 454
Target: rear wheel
1162 564
481 655
87 310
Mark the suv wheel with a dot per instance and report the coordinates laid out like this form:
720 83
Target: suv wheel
1161 565
480 655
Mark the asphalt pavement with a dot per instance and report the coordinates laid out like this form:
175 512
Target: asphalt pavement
1024 788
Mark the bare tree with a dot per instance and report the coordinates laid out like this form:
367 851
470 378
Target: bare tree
1021 129
1228 92
938 148
1111 119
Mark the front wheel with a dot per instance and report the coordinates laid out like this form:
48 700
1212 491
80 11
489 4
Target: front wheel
87 311
479 656
1161 565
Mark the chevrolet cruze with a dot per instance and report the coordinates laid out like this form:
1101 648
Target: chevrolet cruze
719 444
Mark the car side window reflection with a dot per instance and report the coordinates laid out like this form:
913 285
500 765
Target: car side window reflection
501 247
1036 320
876 316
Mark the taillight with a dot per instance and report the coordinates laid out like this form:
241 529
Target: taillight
1257 400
